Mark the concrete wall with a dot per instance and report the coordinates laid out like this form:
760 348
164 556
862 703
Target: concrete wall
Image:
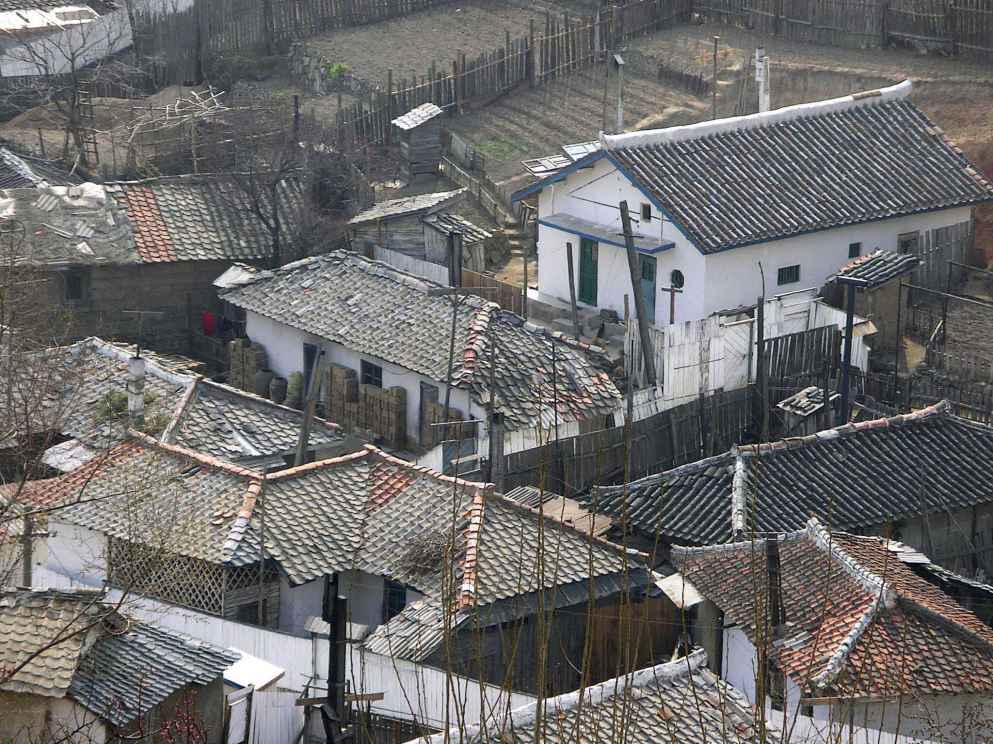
284 346
715 282
28 719
71 557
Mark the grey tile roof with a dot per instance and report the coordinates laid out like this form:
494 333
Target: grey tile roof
414 634
854 476
879 267
854 613
25 172
375 309
116 667
680 701
70 225
417 116
448 223
132 670
406 205
242 428
201 218
771 176
29 621
169 499
185 409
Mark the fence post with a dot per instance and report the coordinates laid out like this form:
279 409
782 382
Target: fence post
951 26
529 61
389 107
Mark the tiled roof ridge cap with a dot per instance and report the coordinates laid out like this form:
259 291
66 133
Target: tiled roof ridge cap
883 597
169 432
527 715
310 467
477 339
564 338
754 121
559 524
739 496
679 470
239 526
113 351
764 449
204 459
475 517
258 400
688 551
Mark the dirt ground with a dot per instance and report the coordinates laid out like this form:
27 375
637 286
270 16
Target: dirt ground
409 45
533 123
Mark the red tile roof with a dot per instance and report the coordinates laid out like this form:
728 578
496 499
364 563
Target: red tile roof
858 621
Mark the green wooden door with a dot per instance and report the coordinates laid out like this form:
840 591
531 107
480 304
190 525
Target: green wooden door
587 271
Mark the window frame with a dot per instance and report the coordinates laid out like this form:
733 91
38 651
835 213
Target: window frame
80 276
371 374
913 238
855 249
784 273
646 211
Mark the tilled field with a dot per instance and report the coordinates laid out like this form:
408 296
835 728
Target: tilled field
409 45
531 123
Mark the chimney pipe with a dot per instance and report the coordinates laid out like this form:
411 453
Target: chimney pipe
136 392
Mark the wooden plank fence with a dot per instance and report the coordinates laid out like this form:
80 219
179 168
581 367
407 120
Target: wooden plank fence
508 296
676 436
563 45
961 27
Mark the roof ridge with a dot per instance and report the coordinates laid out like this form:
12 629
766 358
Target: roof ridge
526 716
309 467
940 409
670 135
260 401
243 519
176 449
113 351
169 432
475 517
477 339
883 597
559 524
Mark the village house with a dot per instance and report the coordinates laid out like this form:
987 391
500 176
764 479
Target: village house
91 673
140 246
89 408
419 557
855 636
387 337
678 701
924 478
423 228
733 209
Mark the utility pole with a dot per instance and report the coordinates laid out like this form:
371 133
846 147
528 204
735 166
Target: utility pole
846 362
313 389
639 299
673 291
619 64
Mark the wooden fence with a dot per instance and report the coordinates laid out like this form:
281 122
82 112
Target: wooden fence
506 295
961 27
886 395
563 45
673 437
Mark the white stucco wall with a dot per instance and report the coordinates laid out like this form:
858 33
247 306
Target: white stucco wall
714 282
297 603
733 277
71 557
284 347
919 718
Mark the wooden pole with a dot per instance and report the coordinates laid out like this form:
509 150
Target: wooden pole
713 93
572 290
639 301
308 410
760 366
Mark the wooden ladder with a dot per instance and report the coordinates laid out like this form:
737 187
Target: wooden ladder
87 120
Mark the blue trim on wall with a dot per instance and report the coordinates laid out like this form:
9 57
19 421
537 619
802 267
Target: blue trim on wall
537 186
620 244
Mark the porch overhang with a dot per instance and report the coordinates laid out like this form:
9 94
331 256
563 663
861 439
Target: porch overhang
607 234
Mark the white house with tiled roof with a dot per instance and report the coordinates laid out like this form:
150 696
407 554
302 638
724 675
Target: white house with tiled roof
797 191
855 635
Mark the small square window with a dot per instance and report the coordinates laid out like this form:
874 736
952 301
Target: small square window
646 212
854 250
372 374
75 286
789 274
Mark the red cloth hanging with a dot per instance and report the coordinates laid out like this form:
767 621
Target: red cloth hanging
208 321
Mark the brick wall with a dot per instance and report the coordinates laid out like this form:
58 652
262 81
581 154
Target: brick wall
181 291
